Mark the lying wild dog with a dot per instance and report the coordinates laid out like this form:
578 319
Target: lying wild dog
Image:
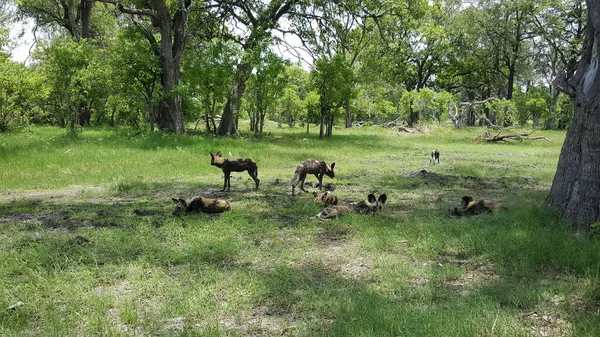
199 204
317 167
326 198
470 207
237 165
372 204
435 155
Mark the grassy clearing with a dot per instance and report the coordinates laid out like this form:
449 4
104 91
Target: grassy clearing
75 259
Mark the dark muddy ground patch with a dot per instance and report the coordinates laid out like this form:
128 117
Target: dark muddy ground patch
70 215
426 178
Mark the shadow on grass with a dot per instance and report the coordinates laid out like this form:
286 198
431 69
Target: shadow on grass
531 253
330 305
427 179
528 251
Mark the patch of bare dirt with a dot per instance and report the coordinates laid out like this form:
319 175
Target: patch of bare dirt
56 194
545 324
261 321
428 178
474 275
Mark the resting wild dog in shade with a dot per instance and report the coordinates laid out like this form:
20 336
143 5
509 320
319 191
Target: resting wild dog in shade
236 165
435 155
317 167
372 204
199 204
325 198
470 207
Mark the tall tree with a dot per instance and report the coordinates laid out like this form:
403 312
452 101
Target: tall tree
333 80
338 28
258 19
136 71
208 73
171 24
65 64
560 26
509 26
574 189
73 15
265 86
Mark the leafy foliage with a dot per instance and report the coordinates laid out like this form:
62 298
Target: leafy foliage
208 72
332 79
372 59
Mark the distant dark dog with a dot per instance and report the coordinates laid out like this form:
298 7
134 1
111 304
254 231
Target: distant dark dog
317 167
371 205
200 205
469 207
237 165
435 156
325 198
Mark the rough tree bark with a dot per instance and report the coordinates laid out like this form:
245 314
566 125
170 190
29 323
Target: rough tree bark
170 52
348 114
227 126
259 22
575 190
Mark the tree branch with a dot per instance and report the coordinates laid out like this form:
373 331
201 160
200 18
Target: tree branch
131 10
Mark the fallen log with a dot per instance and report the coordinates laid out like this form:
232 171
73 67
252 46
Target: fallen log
515 136
404 129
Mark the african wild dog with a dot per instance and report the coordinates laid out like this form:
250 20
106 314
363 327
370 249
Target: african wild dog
435 155
325 198
372 204
236 165
470 207
199 204
317 167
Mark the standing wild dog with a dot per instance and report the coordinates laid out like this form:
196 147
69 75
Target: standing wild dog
199 204
470 207
435 155
317 167
237 165
325 198
372 204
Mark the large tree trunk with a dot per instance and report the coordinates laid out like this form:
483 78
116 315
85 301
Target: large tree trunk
550 122
413 116
170 114
172 46
575 190
86 13
227 126
348 114
322 128
330 125
170 52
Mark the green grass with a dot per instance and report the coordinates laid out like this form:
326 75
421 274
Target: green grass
82 263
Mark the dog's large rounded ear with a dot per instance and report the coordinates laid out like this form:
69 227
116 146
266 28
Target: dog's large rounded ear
219 154
315 194
332 165
182 201
371 198
175 200
382 198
